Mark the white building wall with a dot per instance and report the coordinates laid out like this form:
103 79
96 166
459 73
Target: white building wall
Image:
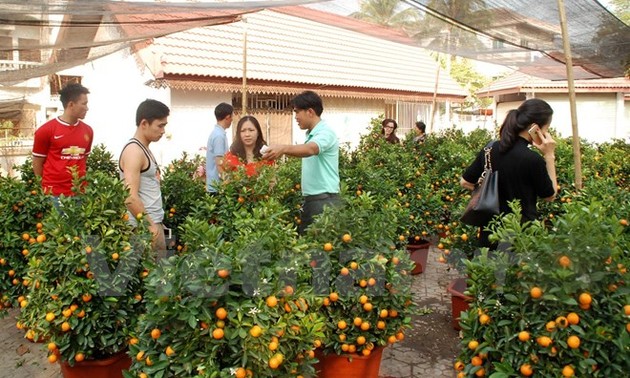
503 108
349 118
117 86
596 115
601 116
191 121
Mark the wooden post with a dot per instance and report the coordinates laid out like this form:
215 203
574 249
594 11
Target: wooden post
566 44
244 90
435 90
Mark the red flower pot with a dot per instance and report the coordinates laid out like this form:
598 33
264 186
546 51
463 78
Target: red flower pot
349 365
111 367
419 254
422 244
459 301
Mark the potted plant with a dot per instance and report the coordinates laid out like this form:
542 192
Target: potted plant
459 246
23 207
364 282
231 303
553 304
86 276
181 187
100 159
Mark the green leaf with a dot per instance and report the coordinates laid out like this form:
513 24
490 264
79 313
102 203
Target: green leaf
192 321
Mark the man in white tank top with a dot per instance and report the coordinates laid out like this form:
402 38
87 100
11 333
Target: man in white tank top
141 172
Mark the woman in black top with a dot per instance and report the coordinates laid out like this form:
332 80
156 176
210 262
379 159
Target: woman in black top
523 174
389 131
421 129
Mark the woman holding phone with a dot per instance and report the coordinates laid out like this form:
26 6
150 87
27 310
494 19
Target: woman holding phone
524 174
247 149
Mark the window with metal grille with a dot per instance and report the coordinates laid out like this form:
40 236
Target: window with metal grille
263 101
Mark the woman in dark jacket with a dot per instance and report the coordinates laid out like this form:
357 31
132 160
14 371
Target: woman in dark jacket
389 131
524 174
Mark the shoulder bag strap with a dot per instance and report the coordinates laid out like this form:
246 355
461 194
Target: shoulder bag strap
488 163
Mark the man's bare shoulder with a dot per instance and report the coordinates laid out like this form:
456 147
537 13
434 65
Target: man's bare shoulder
132 156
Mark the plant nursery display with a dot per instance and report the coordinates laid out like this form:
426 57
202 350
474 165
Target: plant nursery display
555 303
22 206
231 307
85 272
364 279
243 295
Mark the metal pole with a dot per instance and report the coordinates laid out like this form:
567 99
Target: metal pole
566 44
244 90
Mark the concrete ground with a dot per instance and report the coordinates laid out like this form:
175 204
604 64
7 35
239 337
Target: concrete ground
427 351
430 347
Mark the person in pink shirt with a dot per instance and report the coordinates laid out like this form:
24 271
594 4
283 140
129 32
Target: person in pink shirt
63 143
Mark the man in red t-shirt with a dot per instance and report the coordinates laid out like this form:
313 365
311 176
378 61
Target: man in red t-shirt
63 143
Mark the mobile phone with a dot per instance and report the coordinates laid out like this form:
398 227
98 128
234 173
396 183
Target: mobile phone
533 132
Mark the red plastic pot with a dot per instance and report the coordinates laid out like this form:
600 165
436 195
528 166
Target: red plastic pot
459 301
419 254
111 367
349 365
422 244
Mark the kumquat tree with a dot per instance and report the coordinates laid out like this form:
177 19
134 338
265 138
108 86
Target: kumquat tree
242 294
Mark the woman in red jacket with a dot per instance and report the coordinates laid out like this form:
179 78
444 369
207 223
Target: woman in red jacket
246 148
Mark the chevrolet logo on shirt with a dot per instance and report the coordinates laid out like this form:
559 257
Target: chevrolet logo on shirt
72 153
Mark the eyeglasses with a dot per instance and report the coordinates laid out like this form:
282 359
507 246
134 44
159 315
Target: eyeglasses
388 127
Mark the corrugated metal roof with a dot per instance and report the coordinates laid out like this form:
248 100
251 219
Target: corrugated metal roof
285 48
518 82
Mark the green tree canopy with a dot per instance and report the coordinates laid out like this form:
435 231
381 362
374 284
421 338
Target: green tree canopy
390 13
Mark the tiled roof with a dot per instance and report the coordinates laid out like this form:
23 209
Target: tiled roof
519 82
283 47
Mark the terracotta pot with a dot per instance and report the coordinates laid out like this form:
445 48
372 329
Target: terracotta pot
349 365
111 367
40 340
459 301
419 254
422 244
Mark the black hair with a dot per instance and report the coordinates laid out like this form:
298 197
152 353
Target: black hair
238 148
392 138
531 111
223 110
308 100
386 121
151 110
421 126
71 93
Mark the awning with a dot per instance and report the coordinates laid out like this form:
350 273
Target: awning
296 88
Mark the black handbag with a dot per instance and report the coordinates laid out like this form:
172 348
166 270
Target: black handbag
484 202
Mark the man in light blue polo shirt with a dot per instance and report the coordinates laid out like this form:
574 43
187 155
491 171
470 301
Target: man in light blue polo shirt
320 157
217 146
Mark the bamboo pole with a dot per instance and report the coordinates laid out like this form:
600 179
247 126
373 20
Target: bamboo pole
566 43
435 90
244 90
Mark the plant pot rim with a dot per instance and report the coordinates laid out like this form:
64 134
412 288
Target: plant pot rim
99 361
457 287
419 244
376 350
